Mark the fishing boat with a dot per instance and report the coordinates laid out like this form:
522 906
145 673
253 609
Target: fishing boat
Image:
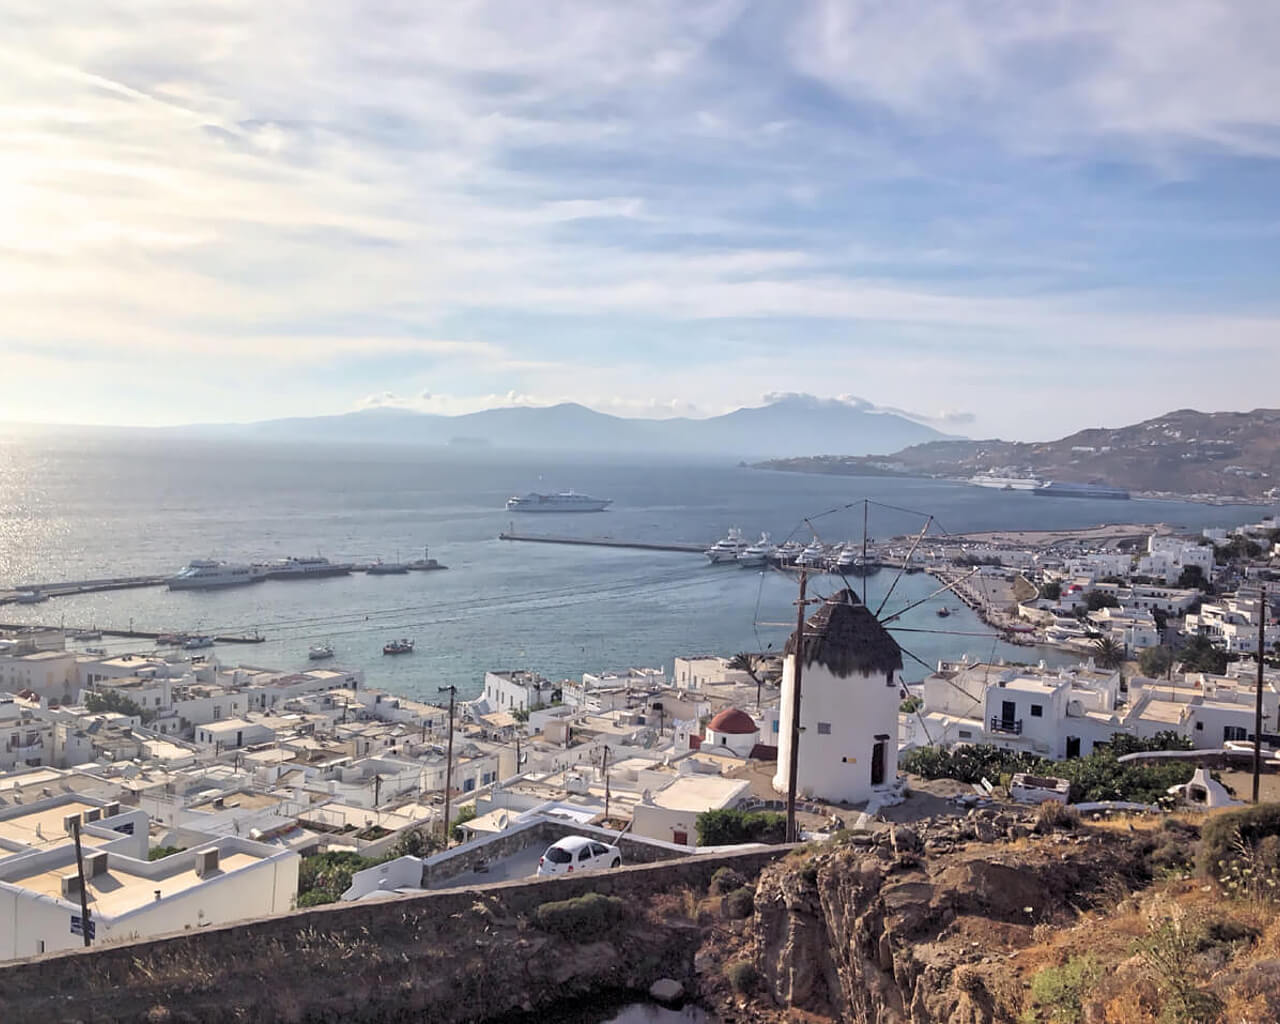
944 612
381 568
319 652
196 642
401 646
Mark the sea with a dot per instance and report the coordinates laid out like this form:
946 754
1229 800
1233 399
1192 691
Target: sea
76 507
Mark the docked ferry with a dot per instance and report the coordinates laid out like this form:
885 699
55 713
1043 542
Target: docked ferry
205 573
306 568
565 501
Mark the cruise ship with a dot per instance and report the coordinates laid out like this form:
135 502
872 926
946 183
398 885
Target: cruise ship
204 573
1005 483
565 501
306 568
1060 489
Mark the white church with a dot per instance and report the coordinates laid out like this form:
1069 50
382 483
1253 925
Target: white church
849 696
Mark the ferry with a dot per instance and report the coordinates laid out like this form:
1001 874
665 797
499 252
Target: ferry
307 568
205 573
1062 489
1005 483
381 568
727 548
401 646
565 501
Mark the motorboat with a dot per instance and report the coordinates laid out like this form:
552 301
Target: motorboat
31 596
727 548
401 646
565 501
319 652
758 553
206 573
788 551
195 643
943 612
813 556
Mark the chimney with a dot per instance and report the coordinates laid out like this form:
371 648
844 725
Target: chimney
95 864
69 823
111 810
70 887
92 814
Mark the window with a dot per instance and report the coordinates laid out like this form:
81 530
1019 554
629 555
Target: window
598 849
966 734
1200 726
1037 710
585 855
1234 732
775 725
824 728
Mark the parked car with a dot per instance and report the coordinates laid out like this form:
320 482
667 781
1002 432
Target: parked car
577 853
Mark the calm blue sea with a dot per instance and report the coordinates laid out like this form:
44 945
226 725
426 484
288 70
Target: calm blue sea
76 509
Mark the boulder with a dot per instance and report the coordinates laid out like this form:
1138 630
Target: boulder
667 991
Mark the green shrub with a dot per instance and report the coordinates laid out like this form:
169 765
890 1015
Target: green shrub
159 852
741 975
583 918
728 827
324 877
1223 835
1057 993
725 880
740 903
464 816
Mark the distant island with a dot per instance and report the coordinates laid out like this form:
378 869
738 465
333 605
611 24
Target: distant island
1183 454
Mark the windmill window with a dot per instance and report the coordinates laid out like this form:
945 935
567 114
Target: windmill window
824 728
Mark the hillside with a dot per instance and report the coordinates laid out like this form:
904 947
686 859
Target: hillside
1221 454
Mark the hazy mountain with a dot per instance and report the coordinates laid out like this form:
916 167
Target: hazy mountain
795 423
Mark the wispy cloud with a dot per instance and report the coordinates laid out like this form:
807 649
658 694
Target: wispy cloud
656 208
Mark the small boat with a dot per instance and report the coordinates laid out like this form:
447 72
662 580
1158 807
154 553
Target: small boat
99 651
319 652
195 643
31 596
87 634
425 563
381 568
944 612
401 646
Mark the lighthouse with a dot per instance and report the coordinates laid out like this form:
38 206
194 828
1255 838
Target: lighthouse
849 699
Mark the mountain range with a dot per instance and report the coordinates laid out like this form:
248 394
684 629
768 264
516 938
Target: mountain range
1185 453
791 424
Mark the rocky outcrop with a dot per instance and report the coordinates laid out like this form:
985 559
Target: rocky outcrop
907 928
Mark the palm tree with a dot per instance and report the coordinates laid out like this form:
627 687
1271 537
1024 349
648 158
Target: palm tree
748 663
1108 653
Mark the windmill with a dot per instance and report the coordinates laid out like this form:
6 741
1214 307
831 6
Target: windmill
855 644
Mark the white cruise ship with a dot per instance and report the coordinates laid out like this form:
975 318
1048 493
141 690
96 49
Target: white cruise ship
1005 483
306 568
758 553
727 548
203 573
565 501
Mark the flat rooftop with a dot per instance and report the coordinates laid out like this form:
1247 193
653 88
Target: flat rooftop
117 890
699 793
43 828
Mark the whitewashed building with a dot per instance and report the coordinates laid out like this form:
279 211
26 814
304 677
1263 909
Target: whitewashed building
849 704
733 730
518 691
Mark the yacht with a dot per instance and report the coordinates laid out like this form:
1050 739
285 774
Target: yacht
788 551
401 646
319 652
307 568
203 573
727 548
565 501
759 553
813 556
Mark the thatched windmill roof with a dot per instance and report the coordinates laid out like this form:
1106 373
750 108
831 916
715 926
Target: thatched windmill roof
845 637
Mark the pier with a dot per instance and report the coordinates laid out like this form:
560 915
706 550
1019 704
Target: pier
138 634
80 587
604 542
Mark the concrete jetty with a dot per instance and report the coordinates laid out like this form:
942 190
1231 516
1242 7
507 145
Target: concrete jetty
604 542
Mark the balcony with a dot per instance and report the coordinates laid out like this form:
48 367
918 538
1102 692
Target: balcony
1013 726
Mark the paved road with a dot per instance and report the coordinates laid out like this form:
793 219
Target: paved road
519 865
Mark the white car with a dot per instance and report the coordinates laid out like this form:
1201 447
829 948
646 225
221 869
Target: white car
577 853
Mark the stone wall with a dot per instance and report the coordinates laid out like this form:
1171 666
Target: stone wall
446 957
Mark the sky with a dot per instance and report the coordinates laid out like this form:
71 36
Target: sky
1011 219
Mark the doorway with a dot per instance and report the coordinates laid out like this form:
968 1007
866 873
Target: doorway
877 763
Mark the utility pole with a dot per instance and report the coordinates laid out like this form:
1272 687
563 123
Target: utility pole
794 759
84 892
1257 710
604 770
448 762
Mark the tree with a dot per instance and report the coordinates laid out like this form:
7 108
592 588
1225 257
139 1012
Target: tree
415 843
464 815
1199 655
1097 600
1051 591
729 827
114 701
1108 653
1192 578
1155 661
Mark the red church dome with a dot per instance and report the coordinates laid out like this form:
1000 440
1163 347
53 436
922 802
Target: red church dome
732 722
